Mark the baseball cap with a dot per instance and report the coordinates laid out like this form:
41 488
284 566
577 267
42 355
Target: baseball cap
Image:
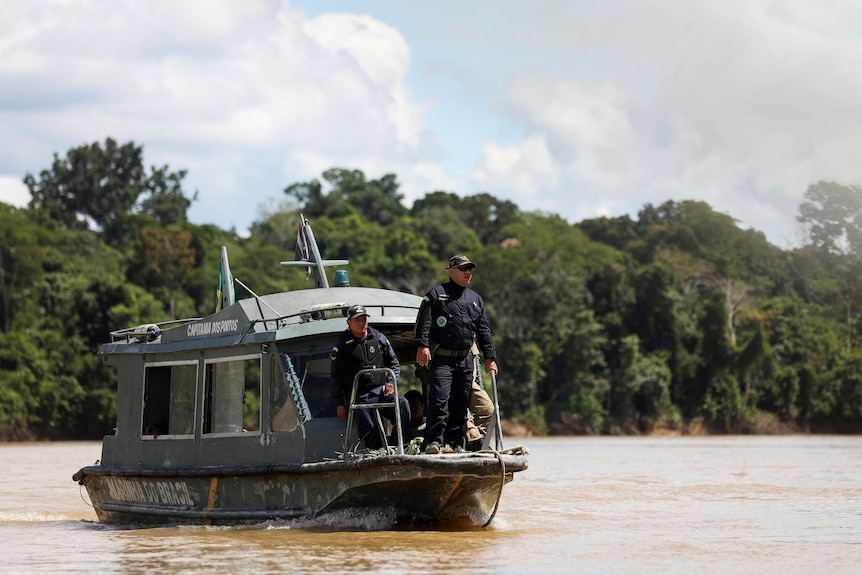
356 310
460 261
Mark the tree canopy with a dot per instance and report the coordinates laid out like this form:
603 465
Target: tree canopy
676 317
104 185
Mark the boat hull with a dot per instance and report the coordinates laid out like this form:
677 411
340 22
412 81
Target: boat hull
400 488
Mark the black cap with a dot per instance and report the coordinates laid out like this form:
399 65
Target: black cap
460 261
356 310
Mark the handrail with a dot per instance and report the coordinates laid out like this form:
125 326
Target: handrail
258 300
147 331
375 406
295 388
498 432
307 315
494 425
150 332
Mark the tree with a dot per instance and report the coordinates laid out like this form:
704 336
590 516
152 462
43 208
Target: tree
102 185
310 197
640 387
404 262
434 200
615 232
167 204
91 182
444 232
488 216
378 201
20 262
653 313
171 258
832 216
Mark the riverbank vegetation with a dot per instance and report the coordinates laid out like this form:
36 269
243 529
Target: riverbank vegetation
675 320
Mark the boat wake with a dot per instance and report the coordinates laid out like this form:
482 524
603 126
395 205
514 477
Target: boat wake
342 520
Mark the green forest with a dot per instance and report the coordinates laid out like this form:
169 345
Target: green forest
674 319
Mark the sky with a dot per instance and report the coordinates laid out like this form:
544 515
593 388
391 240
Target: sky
570 107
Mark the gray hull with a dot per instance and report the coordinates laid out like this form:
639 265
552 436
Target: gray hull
404 488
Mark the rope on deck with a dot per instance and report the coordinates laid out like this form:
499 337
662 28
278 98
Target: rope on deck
412 448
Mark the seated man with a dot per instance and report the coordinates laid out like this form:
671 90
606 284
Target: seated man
363 347
417 412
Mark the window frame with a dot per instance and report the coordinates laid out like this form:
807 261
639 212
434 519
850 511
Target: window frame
205 396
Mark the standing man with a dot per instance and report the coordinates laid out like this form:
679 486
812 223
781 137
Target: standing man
362 347
452 316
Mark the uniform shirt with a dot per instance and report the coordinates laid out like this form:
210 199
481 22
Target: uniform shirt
453 317
352 354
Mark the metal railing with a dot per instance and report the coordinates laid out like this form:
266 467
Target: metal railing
376 407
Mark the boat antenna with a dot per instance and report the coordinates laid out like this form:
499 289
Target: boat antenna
259 301
308 255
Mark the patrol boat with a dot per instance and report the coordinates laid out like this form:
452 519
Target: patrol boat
227 419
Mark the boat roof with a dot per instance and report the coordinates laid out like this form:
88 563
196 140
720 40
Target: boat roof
280 316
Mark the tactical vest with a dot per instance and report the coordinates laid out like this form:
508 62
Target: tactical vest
364 354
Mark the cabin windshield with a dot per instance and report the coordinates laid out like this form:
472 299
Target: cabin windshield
313 373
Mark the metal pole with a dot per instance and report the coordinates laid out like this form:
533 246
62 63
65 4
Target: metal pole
497 431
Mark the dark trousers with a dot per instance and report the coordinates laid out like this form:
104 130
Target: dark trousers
366 421
448 399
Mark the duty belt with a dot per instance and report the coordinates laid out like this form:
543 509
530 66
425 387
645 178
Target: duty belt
452 352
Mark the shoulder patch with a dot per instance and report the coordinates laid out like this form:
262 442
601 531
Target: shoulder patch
334 353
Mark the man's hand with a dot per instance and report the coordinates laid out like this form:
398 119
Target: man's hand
388 389
423 356
491 366
342 412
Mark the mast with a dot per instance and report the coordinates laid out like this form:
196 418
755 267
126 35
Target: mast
308 255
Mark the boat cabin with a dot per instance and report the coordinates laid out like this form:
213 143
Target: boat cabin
246 385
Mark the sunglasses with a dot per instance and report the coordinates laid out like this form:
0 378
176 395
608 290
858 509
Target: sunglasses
465 268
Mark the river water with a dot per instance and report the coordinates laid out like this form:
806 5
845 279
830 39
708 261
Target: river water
739 504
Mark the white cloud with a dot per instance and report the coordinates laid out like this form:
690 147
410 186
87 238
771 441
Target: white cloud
528 170
247 97
13 191
735 104
577 108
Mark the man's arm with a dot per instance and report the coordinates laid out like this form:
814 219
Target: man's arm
484 333
422 331
335 385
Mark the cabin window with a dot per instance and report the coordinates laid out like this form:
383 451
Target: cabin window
169 400
313 372
232 396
